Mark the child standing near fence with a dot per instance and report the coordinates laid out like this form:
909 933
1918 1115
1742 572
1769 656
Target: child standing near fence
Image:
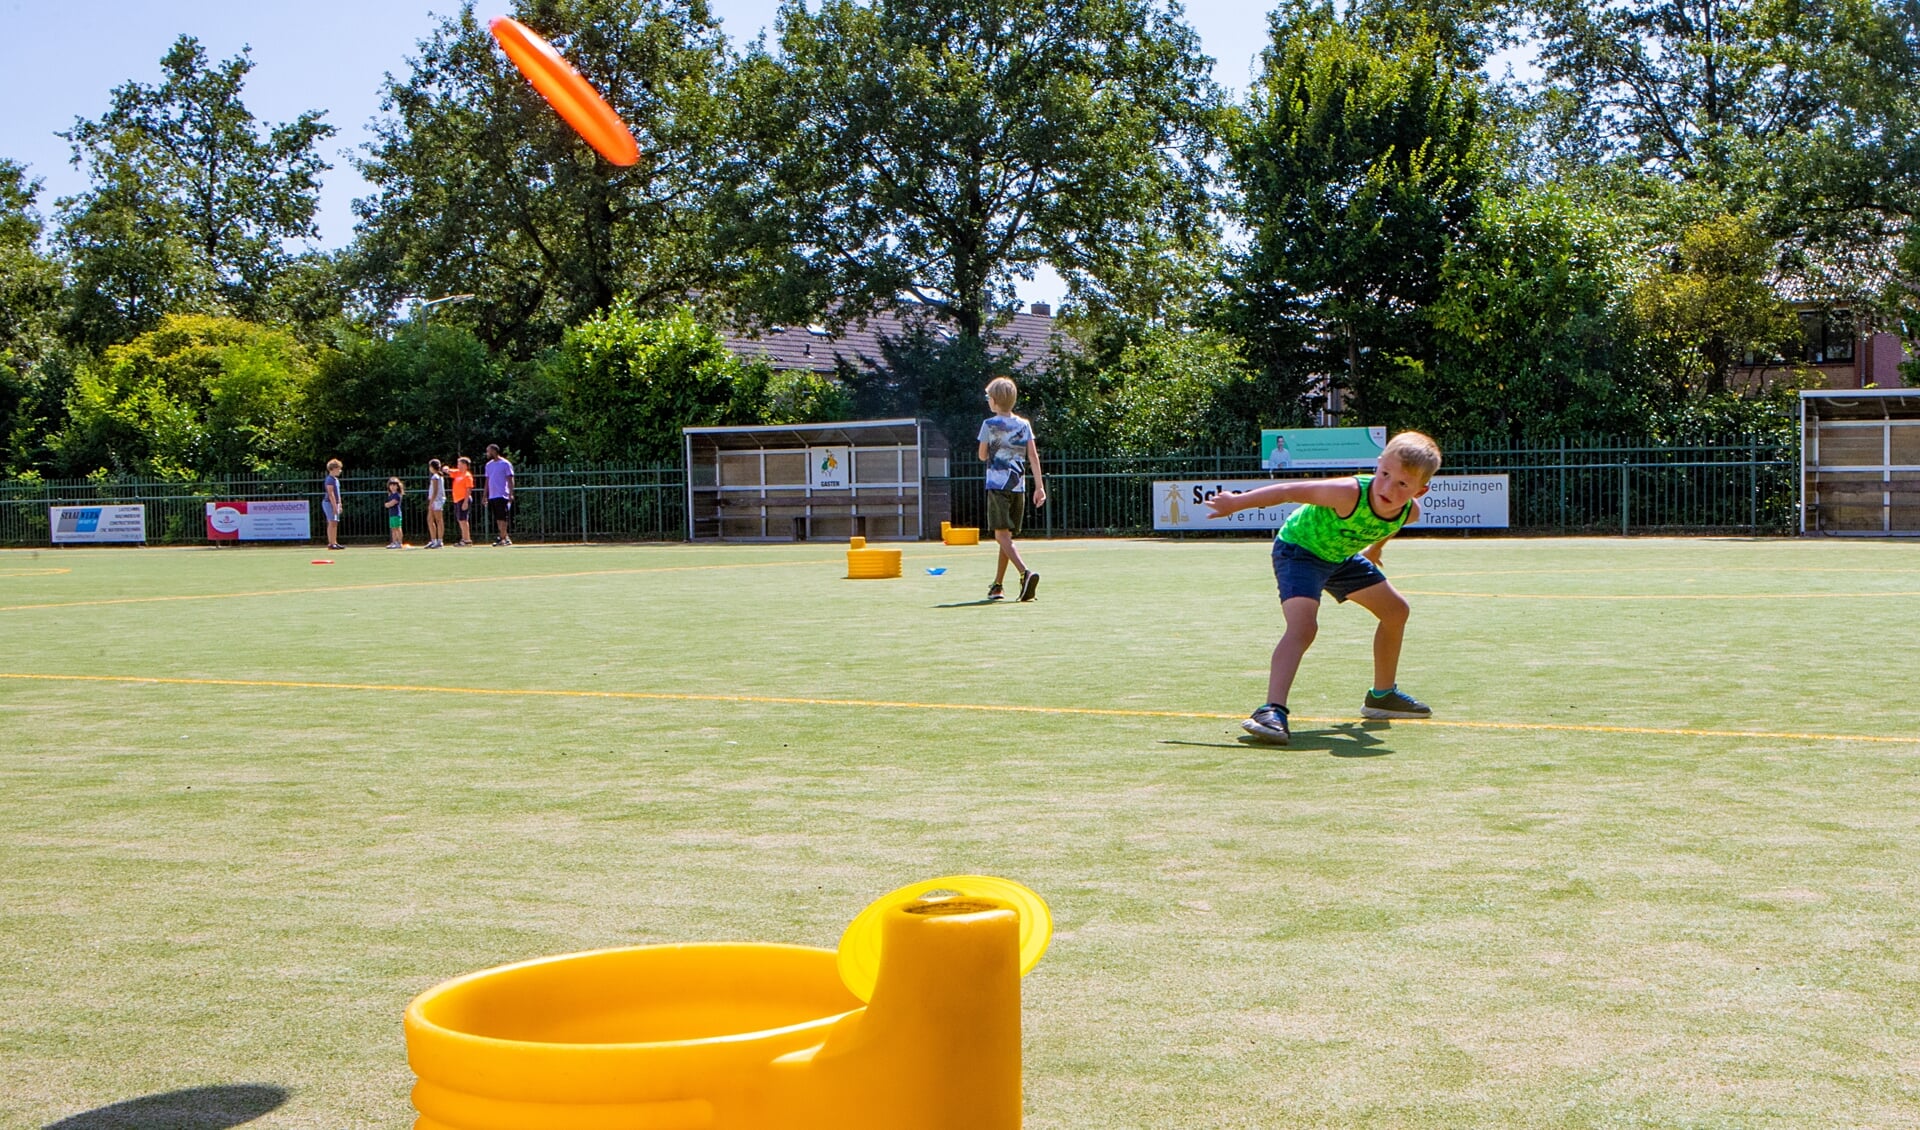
330 502
436 505
395 493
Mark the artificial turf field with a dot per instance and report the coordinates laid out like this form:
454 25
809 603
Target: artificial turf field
1656 862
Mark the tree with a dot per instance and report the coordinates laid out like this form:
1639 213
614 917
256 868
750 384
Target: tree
33 373
1714 304
1806 112
1181 390
191 207
1532 337
1357 160
198 396
1903 296
626 385
901 151
429 389
483 190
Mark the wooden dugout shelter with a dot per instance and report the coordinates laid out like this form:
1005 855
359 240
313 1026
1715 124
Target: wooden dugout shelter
792 482
1860 462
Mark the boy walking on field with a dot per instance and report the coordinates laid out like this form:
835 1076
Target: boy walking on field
1332 543
1008 450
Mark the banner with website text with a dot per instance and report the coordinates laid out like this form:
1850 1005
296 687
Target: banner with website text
259 521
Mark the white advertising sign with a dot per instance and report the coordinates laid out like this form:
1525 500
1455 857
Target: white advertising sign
97 525
829 468
259 521
1476 502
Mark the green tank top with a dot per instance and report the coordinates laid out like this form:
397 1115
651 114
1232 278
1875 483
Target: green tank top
1326 535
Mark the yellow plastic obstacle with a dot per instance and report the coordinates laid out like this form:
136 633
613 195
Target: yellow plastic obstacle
958 535
865 564
748 1037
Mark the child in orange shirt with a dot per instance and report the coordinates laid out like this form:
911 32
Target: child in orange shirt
461 477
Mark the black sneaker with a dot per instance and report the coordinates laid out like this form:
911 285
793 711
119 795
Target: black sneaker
994 592
1268 725
1029 585
1393 704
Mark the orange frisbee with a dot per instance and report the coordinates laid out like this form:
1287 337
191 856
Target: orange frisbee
571 96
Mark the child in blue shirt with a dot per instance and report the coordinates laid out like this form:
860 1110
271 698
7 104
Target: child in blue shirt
395 492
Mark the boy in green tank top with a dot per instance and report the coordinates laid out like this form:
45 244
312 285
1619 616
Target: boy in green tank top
1332 543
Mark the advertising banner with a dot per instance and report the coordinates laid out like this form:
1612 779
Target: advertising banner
1310 449
97 525
829 468
1475 502
259 521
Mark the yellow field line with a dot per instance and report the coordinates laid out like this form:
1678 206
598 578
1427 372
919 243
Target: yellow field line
887 704
823 560
402 584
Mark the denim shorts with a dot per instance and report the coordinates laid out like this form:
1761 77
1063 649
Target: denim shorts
1302 572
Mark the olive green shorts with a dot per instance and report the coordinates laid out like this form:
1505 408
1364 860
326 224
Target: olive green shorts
1006 509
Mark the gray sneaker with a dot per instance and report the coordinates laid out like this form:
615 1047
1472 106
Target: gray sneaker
1268 725
1029 585
1393 704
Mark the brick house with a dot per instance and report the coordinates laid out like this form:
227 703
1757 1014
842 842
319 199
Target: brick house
1834 343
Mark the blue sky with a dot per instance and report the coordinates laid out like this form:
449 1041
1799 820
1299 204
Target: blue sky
59 59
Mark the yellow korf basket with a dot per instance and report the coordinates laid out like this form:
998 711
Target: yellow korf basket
872 564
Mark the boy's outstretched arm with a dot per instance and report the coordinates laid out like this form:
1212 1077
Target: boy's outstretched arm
1339 494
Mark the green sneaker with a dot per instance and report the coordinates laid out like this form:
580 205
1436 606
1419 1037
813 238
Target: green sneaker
1393 704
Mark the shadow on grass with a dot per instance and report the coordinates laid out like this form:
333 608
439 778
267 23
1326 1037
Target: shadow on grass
198 1108
982 603
1347 739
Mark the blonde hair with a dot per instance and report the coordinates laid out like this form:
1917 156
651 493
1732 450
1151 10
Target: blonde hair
333 464
1415 451
1002 393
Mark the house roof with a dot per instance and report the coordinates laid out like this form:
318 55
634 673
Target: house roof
820 350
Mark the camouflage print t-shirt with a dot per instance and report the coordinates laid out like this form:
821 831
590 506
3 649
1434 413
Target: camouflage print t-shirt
1006 438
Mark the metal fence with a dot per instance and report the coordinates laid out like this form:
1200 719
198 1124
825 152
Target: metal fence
1591 486
550 504
1597 486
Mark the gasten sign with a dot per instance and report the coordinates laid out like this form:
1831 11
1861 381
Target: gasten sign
259 521
1471 502
1309 449
97 525
829 468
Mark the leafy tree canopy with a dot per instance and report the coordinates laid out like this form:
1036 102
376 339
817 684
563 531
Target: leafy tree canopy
200 395
627 384
483 190
191 206
1358 158
900 150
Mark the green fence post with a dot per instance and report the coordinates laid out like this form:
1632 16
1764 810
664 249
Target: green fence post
1563 484
583 513
1625 500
